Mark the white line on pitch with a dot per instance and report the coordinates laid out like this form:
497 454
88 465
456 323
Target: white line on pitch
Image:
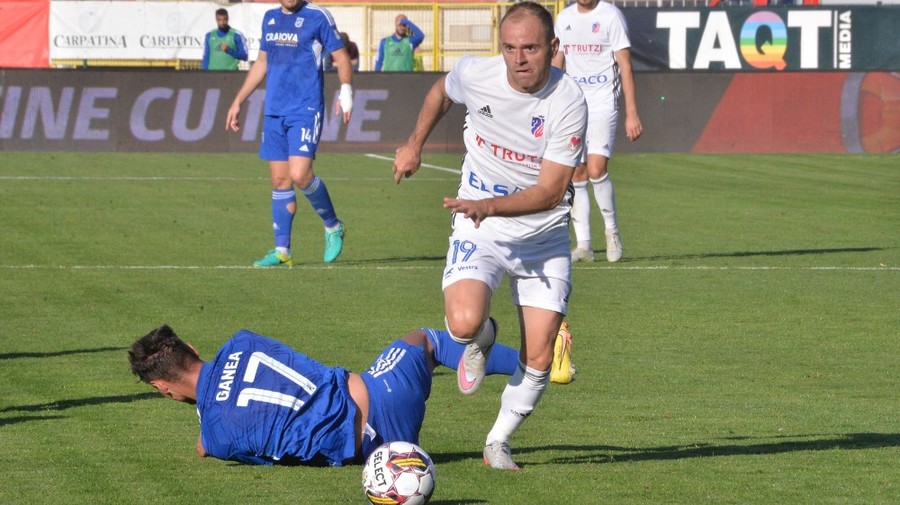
189 179
763 268
427 165
122 178
435 267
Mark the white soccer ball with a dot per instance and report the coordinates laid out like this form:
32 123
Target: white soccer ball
398 472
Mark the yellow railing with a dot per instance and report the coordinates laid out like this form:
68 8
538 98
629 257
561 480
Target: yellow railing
452 30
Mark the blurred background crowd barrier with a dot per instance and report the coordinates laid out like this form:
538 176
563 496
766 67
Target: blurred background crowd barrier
725 77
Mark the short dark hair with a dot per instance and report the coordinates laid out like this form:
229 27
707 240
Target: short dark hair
535 9
160 354
222 12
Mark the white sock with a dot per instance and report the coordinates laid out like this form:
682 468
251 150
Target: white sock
605 194
485 335
283 250
581 215
522 394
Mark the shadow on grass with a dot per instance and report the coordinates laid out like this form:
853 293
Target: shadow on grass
744 254
21 419
847 441
53 354
581 454
80 402
458 502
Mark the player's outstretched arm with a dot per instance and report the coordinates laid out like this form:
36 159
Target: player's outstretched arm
550 189
633 127
345 76
254 77
409 155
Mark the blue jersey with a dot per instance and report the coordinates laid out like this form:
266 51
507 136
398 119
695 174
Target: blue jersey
294 45
262 402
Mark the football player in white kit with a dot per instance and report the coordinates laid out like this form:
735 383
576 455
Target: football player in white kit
523 134
594 50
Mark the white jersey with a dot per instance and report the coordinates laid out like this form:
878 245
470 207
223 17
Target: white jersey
508 133
588 41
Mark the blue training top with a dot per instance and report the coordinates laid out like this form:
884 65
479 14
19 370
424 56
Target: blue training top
294 44
261 402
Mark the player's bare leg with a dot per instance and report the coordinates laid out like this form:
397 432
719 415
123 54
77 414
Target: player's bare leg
467 305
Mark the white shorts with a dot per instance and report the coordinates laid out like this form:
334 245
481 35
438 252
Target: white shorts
540 274
601 133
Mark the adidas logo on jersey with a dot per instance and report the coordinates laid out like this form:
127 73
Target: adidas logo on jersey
271 22
569 28
486 111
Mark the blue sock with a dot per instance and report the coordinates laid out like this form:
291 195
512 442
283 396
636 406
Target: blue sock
317 194
284 204
503 359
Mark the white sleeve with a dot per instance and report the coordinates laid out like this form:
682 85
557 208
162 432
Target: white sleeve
566 142
453 84
618 32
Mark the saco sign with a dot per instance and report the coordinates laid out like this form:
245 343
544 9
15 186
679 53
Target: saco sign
759 39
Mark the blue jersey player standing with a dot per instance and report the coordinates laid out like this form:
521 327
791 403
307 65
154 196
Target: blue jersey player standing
261 402
295 38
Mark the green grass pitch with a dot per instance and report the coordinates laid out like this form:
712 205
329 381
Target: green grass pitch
746 349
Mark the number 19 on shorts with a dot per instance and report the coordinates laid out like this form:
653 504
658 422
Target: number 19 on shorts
462 251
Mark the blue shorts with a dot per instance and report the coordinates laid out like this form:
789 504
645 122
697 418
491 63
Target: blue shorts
399 383
285 136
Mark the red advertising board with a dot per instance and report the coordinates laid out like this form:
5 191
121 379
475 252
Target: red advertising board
24 33
805 113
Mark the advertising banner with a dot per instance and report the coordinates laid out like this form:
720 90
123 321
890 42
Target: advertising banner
145 30
847 38
805 113
23 34
701 112
171 111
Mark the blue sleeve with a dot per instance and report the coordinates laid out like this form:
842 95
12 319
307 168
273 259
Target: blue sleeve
263 44
380 59
240 49
417 35
205 64
328 34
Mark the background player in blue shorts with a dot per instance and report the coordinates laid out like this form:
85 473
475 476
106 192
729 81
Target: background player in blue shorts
261 402
294 39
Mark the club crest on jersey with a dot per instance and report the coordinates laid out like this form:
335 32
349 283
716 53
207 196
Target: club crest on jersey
595 28
298 23
573 144
537 126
